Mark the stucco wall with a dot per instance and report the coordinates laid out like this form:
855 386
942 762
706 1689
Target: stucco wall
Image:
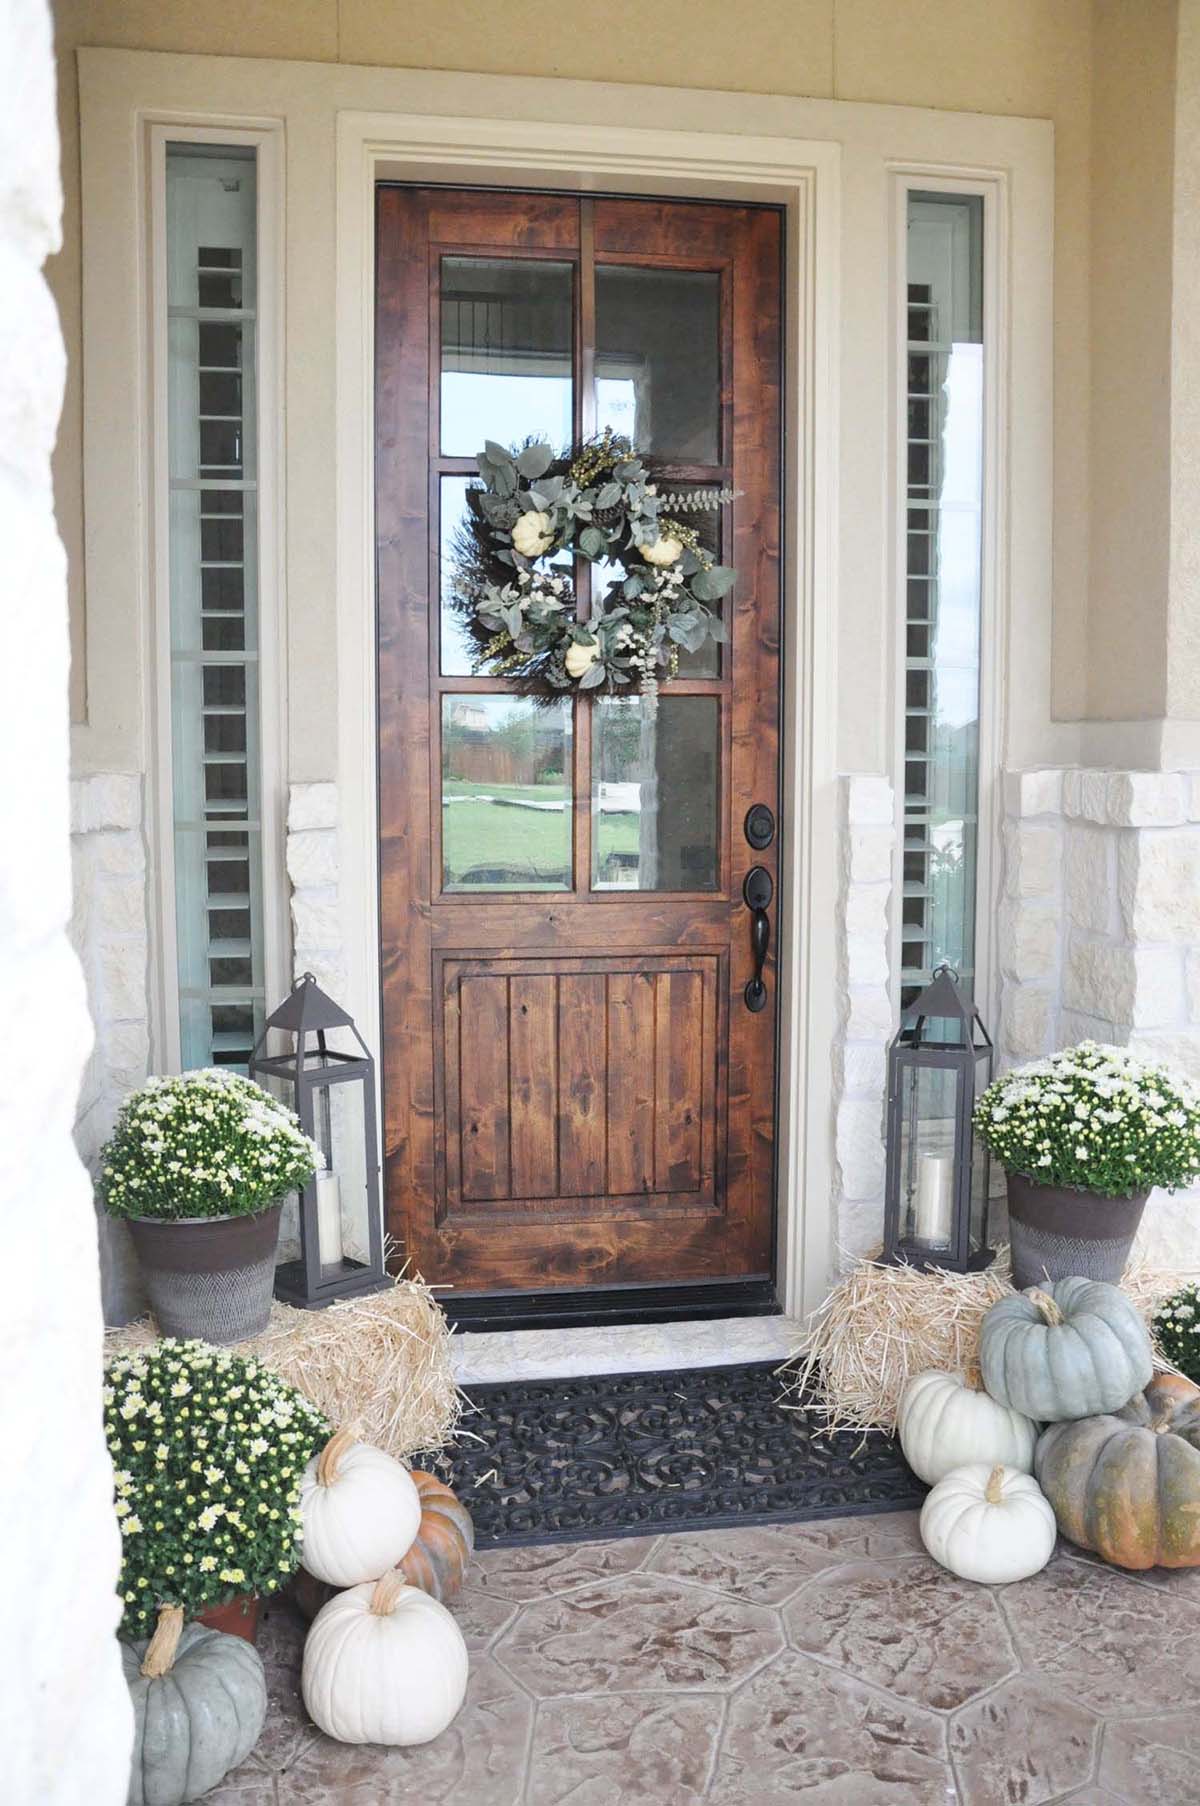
64 1707
1019 57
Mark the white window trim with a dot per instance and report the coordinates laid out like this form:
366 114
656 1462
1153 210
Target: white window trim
267 141
993 186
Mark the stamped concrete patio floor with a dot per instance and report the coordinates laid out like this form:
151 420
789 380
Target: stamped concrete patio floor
832 1663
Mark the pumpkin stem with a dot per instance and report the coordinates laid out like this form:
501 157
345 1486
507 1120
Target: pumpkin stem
1160 1423
329 1460
160 1651
993 1492
973 1375
1045 1303
387 1591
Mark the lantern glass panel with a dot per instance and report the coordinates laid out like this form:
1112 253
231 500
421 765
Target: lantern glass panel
343 1204
980 1175
928 1115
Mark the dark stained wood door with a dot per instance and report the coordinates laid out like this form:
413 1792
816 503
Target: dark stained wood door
575 1092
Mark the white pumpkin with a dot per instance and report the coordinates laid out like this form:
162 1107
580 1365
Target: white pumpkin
360 1512
384 1664
988 1524
947 1420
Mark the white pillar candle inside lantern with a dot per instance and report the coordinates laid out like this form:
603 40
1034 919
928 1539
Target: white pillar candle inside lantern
329 1219
935 1198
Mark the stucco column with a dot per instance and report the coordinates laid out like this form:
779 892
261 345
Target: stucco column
64 1706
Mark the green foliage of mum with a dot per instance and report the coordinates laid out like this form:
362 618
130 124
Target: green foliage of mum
208 1450
207 1144
1096 1118
1177 1330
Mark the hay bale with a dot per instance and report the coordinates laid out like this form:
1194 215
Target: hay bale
382 1360
880 1325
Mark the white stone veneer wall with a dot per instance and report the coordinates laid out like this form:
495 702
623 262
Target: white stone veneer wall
64 1708
865 1026
1100 933
313 866
109 931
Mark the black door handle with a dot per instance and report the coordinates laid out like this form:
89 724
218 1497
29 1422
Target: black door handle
757 891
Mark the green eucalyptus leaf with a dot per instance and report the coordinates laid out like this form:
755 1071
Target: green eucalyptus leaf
534 461
499 455
711 584
594 676
609 496
633 586
592 542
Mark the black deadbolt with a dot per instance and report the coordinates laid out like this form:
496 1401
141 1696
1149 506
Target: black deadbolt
759 826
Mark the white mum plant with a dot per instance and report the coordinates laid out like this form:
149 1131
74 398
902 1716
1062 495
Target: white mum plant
206 1144
1096 1118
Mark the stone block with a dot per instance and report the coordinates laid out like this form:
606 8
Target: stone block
865 911
864 1068
868 855
126 1049
108 799
316 922
1026 1016
1074 1027
1085 795
312 858
1179 1048
1192 786
1158 885
121 985
1088 878
869 1015
870 801
1029 937
867 960
1169 1237
1032 860
119 906
1029 793
116 853
859 1229
1191 971
1128 986
859 1141
312 806
1144 799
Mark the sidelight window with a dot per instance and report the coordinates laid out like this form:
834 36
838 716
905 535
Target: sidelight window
211 291
943 503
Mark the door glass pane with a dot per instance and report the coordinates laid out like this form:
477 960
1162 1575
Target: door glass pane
707 524
944 481
459 648
654 793
658 360
506 353
506 793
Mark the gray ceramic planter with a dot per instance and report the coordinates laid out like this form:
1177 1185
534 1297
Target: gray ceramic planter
211 1277
1056 1231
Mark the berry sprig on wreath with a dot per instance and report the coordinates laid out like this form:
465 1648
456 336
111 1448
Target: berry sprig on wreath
514 577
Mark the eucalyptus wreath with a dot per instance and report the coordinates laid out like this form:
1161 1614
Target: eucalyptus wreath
532 514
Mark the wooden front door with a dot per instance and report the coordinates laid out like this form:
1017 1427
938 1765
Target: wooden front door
576 1094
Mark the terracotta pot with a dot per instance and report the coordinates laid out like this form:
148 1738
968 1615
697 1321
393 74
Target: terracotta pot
1056 1230
211 1277
237 1617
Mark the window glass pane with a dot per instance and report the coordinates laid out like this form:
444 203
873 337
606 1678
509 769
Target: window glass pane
506 793
211 225
944 480
658 360
928 1105
654 793
506 353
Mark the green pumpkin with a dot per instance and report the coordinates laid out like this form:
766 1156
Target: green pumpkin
199 1702
1070 1349
1127 1485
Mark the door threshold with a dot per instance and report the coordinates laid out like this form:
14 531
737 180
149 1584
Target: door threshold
616 1348
584 1309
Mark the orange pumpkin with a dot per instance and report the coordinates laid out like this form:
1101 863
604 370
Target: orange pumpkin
1127 1484
437 1561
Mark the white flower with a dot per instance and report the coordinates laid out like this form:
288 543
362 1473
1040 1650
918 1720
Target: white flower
580 657
665 550
533 534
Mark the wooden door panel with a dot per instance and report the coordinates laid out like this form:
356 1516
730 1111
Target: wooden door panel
580 1087
574 1092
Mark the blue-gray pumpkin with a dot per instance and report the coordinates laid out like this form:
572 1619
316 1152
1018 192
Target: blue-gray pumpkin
199 1702
1073 1348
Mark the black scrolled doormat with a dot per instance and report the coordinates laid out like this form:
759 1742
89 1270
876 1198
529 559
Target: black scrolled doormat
637 1453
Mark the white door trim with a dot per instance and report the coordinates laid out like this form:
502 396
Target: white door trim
803 177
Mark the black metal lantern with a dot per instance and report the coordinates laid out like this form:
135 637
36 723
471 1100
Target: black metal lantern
936 1212
333 1094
